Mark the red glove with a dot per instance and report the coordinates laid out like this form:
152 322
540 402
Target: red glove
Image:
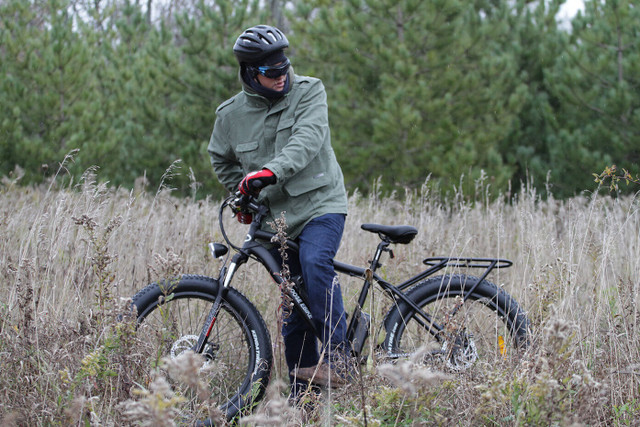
244 217
256 181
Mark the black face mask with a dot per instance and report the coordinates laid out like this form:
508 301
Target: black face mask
249 78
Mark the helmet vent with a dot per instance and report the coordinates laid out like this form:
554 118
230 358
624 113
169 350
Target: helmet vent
270 34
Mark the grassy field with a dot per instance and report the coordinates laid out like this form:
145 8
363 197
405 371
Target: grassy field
71 257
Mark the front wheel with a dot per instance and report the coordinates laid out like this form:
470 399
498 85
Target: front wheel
488 327
237 357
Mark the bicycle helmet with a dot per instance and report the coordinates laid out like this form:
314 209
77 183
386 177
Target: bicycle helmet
257 43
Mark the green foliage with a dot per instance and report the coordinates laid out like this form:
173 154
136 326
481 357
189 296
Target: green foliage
416 88
396 408
610 174
627 413
535 43
46 86
442 88
199 72
597 80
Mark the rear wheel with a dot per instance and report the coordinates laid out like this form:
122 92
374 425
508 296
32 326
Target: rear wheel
489 327
237 357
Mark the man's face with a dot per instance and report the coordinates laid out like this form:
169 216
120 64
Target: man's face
276 84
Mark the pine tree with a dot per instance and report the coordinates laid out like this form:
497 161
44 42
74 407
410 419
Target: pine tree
598 80
415 88
128 142
536 43
46 87
200 72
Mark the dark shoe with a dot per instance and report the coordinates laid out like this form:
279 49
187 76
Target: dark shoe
320 375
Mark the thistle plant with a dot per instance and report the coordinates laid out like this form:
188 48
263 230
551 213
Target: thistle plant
101 261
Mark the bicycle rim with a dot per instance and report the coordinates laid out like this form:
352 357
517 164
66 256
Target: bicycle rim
487 328
172 328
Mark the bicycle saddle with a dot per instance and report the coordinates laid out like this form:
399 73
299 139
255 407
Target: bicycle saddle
392 233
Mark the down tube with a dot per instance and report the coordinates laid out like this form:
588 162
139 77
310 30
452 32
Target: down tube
273 267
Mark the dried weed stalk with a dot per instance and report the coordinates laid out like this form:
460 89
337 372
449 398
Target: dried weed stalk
25 291
554 387
164 401
167 267
275 410
157 406
101 261
279 225
411 376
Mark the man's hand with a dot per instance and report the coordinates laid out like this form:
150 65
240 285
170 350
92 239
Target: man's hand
256 181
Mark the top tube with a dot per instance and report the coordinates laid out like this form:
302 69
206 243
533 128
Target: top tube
266 236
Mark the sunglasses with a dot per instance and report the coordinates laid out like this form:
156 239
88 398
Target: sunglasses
274 71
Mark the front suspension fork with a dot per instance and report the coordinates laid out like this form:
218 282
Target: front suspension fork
223 287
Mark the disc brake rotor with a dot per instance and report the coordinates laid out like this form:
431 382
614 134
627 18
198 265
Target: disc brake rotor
182 344
188 342
461 354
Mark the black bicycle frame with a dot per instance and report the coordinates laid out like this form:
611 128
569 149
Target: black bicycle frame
252 248
370 277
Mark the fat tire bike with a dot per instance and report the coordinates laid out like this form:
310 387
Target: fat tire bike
457 319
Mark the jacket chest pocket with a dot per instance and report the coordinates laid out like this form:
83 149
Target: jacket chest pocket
284 131
249 155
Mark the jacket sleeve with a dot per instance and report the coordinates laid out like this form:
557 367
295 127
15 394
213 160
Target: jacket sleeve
223 159
310 132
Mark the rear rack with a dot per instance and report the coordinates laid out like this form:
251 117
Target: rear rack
439 263
489 263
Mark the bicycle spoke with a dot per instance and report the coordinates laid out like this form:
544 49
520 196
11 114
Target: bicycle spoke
226 355
472 331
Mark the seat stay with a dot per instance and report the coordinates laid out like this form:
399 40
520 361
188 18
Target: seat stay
394 292
487 263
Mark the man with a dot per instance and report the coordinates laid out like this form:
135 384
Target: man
276 132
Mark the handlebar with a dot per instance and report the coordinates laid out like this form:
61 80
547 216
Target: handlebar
244 203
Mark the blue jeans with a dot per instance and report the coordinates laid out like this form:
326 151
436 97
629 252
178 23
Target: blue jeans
318 242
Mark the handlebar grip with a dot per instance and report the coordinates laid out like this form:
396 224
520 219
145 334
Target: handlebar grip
256 184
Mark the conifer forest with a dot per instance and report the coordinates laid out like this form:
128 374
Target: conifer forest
436 89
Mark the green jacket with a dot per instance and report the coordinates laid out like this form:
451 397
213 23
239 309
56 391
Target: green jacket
291 138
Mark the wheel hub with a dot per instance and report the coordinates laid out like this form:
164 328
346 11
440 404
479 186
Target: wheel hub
461 352
188 342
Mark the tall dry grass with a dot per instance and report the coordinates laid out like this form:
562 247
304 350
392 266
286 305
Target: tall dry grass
71 257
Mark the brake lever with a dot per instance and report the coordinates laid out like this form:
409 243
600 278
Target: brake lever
241 203
241 200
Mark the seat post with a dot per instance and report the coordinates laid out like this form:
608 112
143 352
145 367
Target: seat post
375 262
368 281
